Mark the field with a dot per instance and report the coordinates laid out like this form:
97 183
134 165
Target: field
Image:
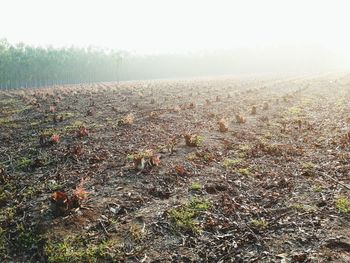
244 169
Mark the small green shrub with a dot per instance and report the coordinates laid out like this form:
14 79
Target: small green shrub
259 224
26 238
244 171
196 186
184 219
72 250
228 163
199 205
343 205
24 163
193 140
185 216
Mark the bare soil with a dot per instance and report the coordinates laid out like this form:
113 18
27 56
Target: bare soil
273 188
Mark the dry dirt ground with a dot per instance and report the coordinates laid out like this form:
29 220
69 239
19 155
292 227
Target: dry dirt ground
103 173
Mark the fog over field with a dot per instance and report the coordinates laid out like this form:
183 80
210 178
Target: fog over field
162 39
180 131
269 61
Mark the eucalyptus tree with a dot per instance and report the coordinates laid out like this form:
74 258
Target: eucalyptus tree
26 66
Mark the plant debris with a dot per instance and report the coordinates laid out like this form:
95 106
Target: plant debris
216 170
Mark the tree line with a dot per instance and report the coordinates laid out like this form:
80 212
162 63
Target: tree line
27 66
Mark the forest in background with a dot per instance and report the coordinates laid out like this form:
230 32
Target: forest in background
26 66
23 65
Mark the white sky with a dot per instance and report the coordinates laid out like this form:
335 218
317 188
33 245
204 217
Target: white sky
152 26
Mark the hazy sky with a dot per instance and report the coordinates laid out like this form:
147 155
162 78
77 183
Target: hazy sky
152 26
